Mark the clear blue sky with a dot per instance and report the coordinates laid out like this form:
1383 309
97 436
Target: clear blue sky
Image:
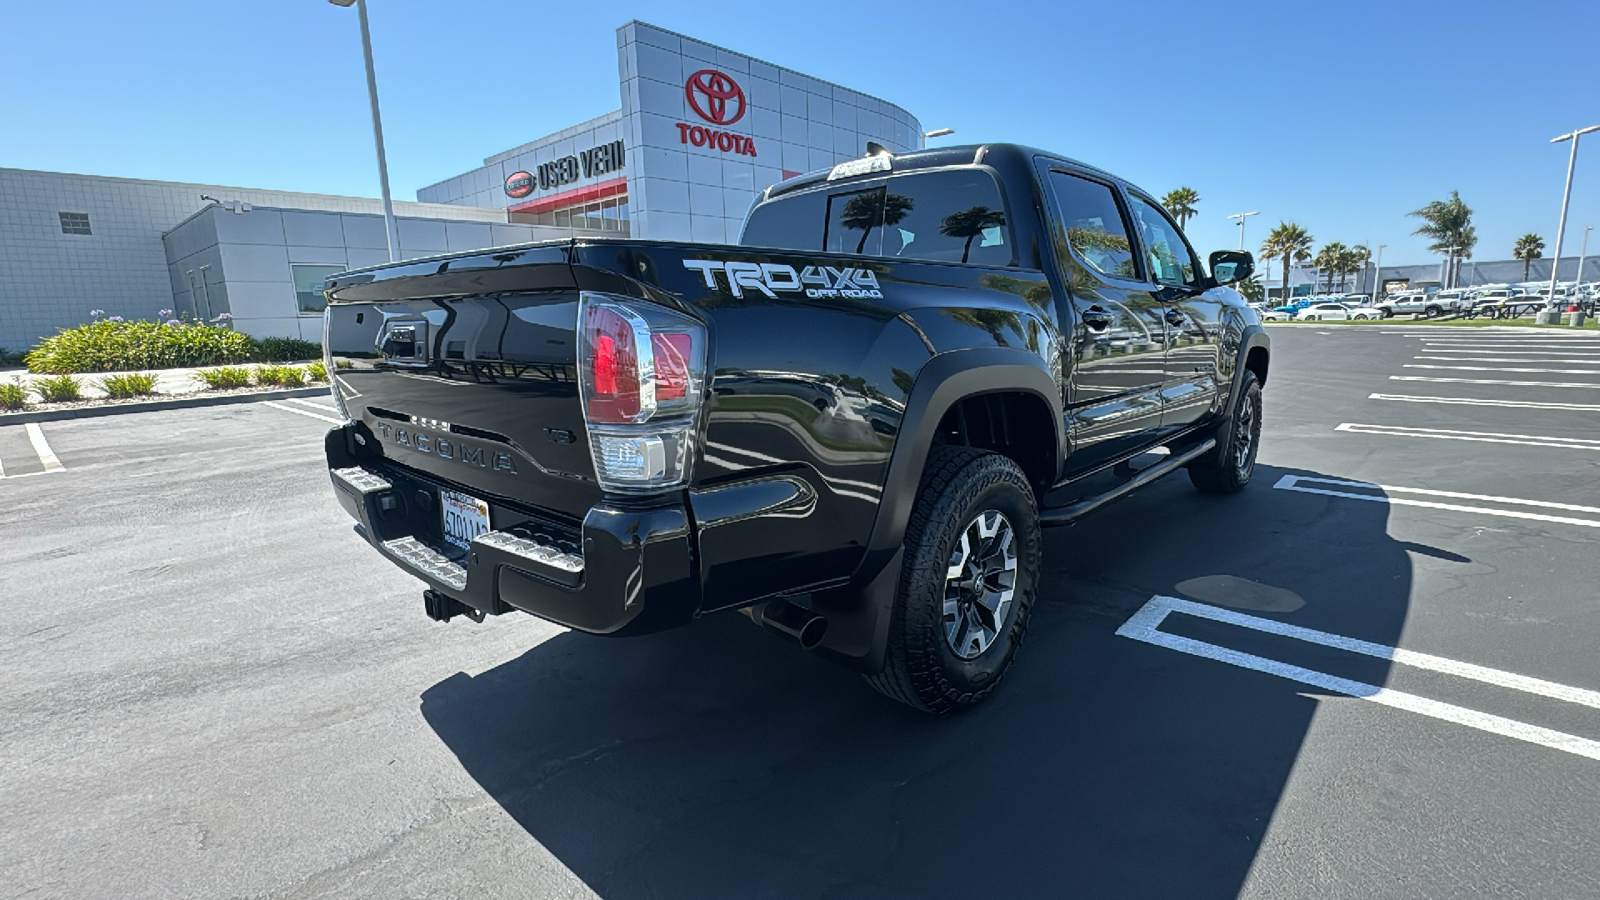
1339 116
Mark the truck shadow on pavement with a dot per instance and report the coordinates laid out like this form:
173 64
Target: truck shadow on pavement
716 761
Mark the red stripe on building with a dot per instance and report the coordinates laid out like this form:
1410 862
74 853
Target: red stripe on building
574 197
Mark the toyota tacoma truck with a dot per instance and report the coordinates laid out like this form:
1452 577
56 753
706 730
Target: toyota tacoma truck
851 425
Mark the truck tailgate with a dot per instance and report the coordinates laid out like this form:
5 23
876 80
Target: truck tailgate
469 385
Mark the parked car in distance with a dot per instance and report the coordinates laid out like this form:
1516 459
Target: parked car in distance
1411 302
1335 312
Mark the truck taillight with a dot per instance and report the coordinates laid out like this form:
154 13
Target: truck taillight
641 369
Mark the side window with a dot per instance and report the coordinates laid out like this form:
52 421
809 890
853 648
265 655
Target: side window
1168 255
1094 225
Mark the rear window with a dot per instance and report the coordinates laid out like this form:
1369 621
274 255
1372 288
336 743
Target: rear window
949 216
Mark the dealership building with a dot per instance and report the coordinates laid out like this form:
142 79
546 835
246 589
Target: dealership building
700 131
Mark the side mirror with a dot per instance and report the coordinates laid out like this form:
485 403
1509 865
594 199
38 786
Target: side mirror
1231 266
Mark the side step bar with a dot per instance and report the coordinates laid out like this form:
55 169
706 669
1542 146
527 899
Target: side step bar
1065 515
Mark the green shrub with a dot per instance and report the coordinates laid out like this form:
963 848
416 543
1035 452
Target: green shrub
343 364
317 371
11 357
224 378
280 349
13 395
133 384
59 389
112 346
280 376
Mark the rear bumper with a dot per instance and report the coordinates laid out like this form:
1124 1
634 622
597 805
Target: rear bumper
623 571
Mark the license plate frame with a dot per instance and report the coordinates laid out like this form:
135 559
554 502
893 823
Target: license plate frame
462 517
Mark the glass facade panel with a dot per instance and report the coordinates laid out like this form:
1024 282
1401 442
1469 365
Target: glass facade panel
610 214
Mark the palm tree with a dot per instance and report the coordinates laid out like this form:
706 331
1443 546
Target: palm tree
969 223
1181 204
1449 224
1528 248
1290 242
1355 260
1330 259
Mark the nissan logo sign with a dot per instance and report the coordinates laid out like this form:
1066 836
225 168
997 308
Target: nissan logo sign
519 184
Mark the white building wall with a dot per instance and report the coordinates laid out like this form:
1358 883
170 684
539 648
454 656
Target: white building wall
50 280
796 124
250 256
680 191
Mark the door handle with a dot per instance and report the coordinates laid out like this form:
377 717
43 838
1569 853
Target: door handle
1097 318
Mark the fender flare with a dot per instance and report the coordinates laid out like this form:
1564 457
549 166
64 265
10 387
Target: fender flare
1254 337
942 382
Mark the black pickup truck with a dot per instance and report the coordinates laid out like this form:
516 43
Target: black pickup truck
848 426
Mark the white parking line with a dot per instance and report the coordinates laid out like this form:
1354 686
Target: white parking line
327 407
41 448
1467 401
1581 346
286 408
1487 437
1559 384
1145 624
47 457
1519 351
1491 332
1503 369
1591 360
1298 482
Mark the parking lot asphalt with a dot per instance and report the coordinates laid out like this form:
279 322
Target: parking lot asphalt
1372 674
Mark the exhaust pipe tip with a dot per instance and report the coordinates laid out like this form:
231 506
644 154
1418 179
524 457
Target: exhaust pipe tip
794 622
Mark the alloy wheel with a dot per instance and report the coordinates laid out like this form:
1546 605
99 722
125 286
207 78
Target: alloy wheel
1245 434
979 584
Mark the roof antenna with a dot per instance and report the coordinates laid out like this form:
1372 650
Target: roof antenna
876 149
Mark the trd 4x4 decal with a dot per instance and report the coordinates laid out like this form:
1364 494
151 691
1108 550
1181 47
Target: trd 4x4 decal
771 279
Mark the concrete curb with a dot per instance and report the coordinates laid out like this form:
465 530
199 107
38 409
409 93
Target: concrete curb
183 402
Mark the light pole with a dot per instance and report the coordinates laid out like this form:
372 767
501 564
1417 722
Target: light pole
937 132
377 127
1377 275
1583 254
1241 217
1566 197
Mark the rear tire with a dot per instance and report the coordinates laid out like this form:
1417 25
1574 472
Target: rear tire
1433 312
961 607
1227 469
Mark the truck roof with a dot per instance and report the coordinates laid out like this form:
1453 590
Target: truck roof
997 155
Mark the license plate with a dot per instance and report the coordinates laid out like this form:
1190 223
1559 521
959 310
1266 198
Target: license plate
463 517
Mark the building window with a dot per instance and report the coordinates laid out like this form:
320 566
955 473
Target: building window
308 287
75 223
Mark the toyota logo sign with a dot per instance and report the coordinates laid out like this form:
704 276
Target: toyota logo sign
519 184
716 91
